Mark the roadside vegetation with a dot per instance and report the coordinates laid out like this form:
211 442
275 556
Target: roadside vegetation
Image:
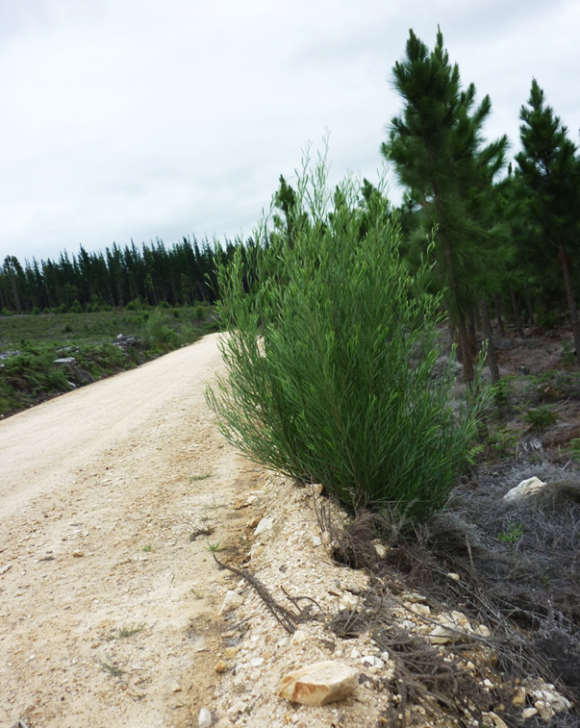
331 359
44 355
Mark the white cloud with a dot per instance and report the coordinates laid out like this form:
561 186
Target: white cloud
141 118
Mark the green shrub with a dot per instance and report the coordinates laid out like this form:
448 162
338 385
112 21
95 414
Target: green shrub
330 361
573 449
199 313
541 417
503 442
568 354
501 392
158 334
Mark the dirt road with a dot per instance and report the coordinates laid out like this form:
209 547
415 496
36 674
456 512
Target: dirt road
106 605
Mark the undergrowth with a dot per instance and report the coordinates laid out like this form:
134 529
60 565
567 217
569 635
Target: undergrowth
31 344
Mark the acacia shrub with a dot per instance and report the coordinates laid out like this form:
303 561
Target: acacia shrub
330 357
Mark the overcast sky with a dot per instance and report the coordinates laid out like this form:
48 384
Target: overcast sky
140 119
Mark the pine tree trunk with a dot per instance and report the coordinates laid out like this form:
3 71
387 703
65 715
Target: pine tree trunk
461 327
498 316
529 305
464 347
488 331
517 318
472 337
571 301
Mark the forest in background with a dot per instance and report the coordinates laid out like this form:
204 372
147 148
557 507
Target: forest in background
178 275
502 239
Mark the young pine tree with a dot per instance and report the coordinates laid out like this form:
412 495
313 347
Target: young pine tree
437 150
550 171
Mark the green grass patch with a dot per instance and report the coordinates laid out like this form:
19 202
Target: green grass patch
31 344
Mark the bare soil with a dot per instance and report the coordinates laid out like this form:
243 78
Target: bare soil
107 609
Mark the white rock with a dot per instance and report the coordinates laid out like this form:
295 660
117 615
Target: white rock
349 601
251 499
380 550
319 684
421 609
441 635
454 576
546 711
316 541
498 722
354 654
205 719
414 598
232 601
549 697
264 525
315 489
257 661
5 568
371 661
526 487
299 637
529 713
482 630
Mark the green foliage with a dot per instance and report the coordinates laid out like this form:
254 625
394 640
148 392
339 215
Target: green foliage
512 535
503 442
29 376
573 449
549 169
540 417
159 335
568 356
330 360
502 392
437 147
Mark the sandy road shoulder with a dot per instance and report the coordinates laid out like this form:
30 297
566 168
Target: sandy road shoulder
107 609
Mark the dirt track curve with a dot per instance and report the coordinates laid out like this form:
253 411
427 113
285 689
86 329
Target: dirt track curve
106 606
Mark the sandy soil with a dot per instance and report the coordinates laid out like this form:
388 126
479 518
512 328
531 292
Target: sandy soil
107 609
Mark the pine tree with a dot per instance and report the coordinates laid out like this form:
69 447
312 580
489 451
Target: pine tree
437 150
550 171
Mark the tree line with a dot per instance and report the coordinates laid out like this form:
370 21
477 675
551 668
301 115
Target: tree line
178 275
502 239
